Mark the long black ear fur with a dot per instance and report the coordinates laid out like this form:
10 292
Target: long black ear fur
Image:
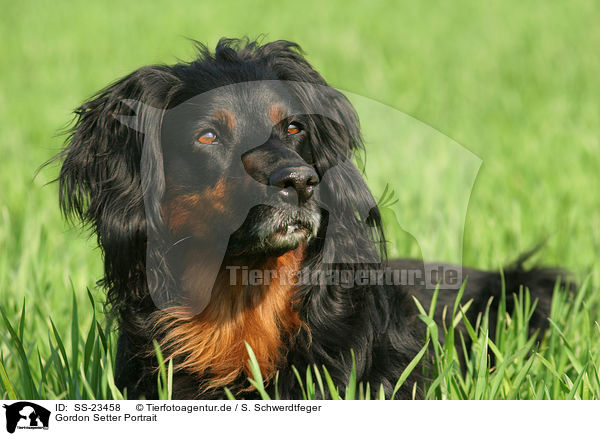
100 182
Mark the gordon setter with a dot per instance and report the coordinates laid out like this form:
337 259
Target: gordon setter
229 211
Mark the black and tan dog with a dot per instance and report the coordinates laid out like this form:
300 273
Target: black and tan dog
241 161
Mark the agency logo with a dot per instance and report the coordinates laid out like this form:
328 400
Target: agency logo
26 415
217 201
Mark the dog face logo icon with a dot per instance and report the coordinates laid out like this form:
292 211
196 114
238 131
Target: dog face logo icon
216 201
26 415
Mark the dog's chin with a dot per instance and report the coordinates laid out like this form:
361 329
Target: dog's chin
275 235
287 238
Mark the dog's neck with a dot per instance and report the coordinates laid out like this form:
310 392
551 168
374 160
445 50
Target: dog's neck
250 302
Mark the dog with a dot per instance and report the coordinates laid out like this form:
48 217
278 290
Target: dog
195 176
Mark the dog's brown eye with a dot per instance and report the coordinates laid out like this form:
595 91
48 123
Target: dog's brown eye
207 137
293 129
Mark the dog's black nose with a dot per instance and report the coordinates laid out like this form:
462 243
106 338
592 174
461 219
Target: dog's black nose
302 179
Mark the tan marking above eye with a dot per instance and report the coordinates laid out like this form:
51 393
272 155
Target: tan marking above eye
207 137
277 113
225 117
293 129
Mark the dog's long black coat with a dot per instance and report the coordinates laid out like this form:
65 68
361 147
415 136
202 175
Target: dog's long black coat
101 183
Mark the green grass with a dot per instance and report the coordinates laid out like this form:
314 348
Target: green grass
513 83
525 368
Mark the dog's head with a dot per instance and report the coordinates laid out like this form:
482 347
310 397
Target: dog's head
246 151
239 168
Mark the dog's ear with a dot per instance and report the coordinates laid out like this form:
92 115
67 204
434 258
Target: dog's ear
335 140
100 179
102 157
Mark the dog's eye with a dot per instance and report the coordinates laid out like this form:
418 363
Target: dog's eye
207 137
293 129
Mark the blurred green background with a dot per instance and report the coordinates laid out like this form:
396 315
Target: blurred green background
514 82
